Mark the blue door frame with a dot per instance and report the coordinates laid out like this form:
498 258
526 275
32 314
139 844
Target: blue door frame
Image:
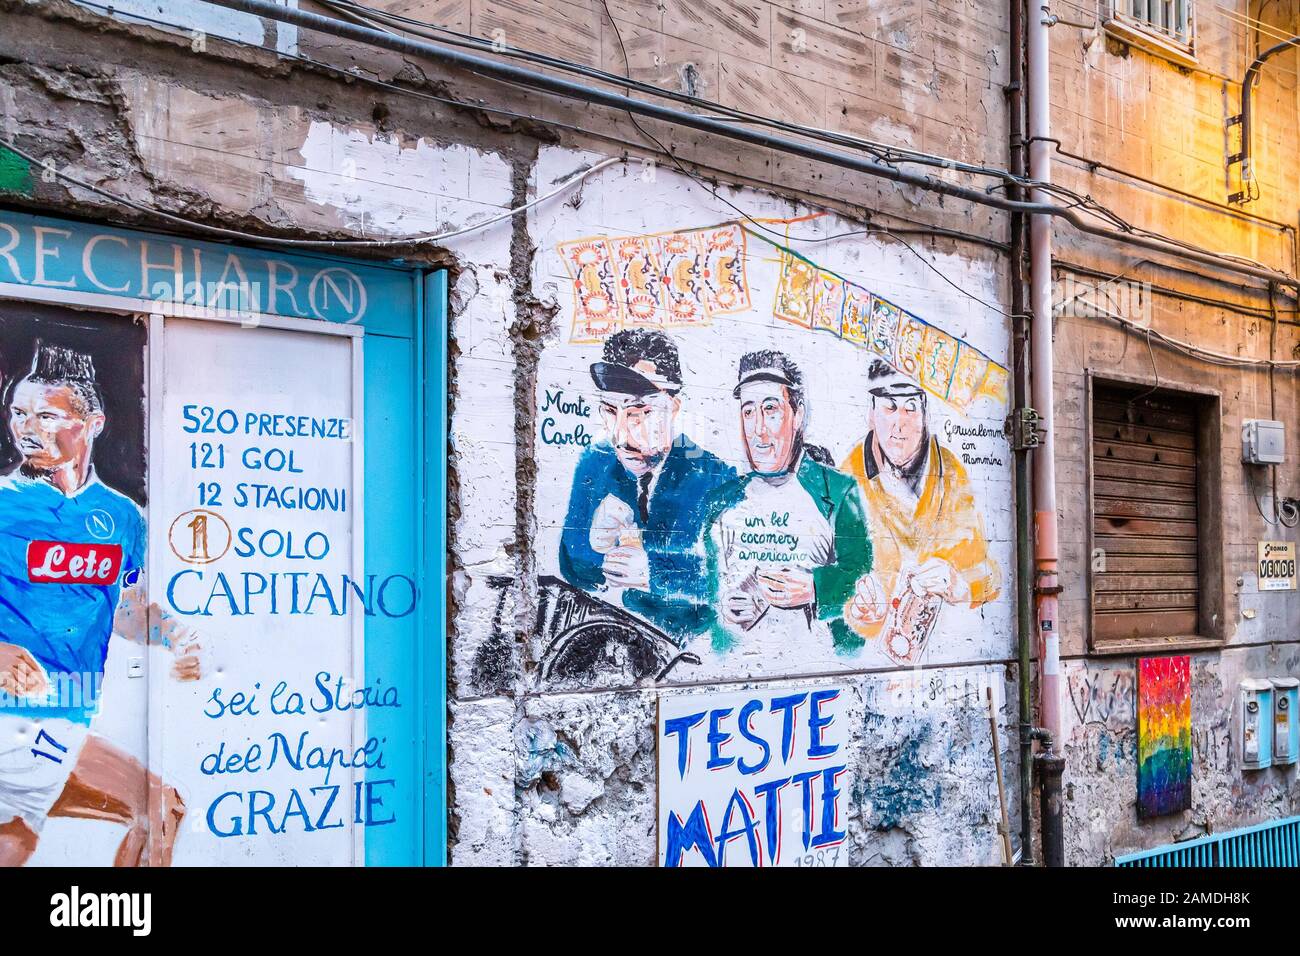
433 575
403 312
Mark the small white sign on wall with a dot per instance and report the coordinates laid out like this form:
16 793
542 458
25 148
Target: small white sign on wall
757 778
1277 566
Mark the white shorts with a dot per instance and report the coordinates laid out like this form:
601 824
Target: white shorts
37 755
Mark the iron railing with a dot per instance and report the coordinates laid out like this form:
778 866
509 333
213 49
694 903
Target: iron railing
1276 843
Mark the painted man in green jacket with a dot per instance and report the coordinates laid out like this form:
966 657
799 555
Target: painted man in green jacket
786 543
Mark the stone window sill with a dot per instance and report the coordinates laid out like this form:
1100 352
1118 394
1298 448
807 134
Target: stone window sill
1142 37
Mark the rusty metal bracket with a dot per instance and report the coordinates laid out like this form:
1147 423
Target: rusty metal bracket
1022 428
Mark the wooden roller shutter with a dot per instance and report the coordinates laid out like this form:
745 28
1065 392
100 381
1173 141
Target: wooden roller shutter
1146 580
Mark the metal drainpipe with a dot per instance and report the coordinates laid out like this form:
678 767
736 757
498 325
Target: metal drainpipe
1020 380
1040 290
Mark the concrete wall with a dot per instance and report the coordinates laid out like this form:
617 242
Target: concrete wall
558 770
925 75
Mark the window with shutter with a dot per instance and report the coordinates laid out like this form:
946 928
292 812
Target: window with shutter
1148 533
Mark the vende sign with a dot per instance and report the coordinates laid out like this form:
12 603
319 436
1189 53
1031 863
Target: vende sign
62 562
759 778
1277 568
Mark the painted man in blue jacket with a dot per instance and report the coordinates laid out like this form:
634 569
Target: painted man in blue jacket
637 508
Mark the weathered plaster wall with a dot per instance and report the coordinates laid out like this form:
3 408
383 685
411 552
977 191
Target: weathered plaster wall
1101 750
568 754
1260 628
925 75
583 772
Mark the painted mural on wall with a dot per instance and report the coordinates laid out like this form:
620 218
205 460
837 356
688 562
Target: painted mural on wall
761 464
72 553
268 752
204 645
1164 713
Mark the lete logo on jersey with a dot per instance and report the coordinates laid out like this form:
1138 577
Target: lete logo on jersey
61 562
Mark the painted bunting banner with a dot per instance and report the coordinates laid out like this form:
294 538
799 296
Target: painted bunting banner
942 364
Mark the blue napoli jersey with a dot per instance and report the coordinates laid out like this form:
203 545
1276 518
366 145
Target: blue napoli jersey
61 575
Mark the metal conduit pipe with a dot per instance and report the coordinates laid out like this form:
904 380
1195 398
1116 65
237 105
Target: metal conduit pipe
1244 117
1042 394
1019 439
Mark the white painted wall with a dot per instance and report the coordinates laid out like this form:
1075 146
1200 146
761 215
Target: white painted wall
552 775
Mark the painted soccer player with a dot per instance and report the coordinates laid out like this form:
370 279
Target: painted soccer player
70 547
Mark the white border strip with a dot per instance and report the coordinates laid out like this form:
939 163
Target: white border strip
173 310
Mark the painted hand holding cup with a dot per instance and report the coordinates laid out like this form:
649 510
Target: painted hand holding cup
868 604
788 587
627 567
187 657
741 609
938 578
613 517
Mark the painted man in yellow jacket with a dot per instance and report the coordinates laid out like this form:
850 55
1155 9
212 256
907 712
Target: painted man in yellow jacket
930 548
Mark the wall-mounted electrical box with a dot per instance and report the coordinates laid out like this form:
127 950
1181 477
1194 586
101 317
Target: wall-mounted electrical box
1263 442
1256 724
1286 726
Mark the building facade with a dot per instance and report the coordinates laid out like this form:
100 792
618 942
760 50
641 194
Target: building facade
610 422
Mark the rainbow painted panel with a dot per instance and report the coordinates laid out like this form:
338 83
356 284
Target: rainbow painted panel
1164 735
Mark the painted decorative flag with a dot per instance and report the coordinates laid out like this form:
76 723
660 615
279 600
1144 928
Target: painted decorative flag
1164 735
664 280
942 364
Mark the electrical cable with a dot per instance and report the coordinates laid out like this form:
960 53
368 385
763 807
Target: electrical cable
1059 308
540 81
1239 309
1187 348
351 76
868 231
889 235
1155 371
894 234
888 154
1087 203
383 20
1282 508
374 81
1259 26
1260 508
